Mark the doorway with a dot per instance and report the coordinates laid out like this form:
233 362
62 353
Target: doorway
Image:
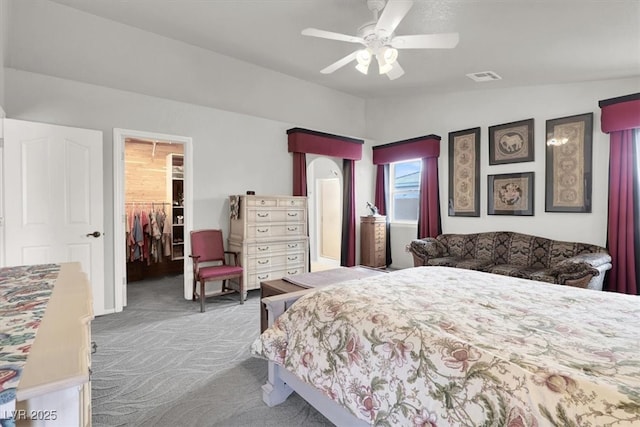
162 164
324 184
154 208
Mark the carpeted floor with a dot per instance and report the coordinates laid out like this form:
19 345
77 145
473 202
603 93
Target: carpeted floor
161 362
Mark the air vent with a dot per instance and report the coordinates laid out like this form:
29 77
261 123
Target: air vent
484 76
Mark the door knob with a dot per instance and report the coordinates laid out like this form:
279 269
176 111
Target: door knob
94 234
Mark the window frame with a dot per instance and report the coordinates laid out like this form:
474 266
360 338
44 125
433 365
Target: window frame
392 192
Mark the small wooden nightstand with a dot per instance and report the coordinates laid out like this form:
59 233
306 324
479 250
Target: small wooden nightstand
373 241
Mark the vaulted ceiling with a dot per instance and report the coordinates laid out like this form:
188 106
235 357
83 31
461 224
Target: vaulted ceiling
526 42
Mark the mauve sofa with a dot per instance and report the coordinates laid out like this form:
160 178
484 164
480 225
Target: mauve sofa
517 255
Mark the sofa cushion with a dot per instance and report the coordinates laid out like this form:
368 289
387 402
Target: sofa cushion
540 252
536 273
520 250
485 245
559 251
501 247
467 263
504 269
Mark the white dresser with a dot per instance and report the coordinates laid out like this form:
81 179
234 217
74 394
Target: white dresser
270 233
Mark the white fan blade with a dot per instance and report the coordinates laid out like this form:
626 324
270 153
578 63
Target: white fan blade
339 63
392 14
314 32
395 72
426 41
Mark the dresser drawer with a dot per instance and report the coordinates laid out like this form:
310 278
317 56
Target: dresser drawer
254 278
278 260
275 215
265 215
298 202
267 248
295 260
257 201
258 231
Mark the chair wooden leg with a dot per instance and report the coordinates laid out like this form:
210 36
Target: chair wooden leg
193 293
224 285
202 296
241 286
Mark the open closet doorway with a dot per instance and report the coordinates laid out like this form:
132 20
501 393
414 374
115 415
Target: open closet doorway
153 209
324 184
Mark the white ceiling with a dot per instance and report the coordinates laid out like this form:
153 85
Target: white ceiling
527 42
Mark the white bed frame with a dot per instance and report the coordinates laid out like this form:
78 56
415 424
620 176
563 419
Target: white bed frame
281 383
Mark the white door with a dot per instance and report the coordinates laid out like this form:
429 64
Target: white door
53 198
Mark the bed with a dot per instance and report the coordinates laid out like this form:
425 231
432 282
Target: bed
452 347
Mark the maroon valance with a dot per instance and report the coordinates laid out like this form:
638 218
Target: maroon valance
414 148
325 144
620 113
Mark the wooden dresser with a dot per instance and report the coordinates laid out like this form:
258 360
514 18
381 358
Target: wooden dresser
270 233
373 241
54 388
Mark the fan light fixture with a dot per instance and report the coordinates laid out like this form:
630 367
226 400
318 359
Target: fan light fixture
386 58
379 39
364 59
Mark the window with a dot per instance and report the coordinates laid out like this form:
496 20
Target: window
405 190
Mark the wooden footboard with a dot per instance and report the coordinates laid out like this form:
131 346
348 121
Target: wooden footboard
281 383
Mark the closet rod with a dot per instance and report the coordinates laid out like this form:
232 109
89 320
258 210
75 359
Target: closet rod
147 203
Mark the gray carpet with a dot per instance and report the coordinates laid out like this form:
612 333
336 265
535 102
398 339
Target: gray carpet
161 362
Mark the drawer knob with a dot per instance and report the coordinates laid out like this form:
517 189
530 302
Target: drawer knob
263 215
292 214
266 261
262 230
263 248
292 258
292 228
295 245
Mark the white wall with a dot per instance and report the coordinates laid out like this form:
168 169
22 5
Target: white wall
4 25
56 40
232 152
67 67
396 119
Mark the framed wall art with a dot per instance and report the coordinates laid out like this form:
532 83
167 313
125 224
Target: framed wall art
464 172
511 194
511 142
568 164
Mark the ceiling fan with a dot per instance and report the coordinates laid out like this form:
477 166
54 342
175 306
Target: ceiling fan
380 41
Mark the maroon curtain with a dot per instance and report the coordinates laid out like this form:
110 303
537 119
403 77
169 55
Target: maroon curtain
303 141
348 255
428 149
299 174
621 119
381 202
429 205
622 221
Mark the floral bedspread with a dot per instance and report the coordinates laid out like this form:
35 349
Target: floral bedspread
438 346
24 294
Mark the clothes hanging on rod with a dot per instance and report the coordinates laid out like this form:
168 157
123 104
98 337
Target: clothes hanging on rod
145 225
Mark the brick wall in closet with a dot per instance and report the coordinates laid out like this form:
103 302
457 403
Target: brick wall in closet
146 171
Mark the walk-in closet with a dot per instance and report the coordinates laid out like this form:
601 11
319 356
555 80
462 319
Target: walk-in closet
154 208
